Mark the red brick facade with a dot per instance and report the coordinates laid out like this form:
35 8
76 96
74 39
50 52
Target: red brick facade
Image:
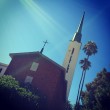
49 78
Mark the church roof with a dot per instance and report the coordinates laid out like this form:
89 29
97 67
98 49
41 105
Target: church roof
36 53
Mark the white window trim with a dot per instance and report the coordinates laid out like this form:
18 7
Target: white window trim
28 79
34 66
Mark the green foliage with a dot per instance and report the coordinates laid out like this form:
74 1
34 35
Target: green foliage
68 105
97 95
15 97
8 82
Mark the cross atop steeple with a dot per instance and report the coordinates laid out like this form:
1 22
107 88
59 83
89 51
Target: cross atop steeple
45 42
77 37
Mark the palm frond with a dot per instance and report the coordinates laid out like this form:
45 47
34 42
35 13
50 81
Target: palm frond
90 48
85 64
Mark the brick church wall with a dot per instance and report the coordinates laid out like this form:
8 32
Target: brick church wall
49 78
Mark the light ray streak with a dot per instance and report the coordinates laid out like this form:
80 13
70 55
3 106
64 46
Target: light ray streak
43 19
48 25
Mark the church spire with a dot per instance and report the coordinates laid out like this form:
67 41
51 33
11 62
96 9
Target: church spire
71 57
78 35
81 24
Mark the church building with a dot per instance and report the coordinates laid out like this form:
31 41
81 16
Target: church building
43 74
51 79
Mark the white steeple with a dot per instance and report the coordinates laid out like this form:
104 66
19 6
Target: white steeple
72 55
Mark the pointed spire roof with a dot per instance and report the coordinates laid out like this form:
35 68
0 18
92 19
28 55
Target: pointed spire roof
81 24
78 35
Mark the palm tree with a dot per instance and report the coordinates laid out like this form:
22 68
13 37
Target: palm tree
90 48
85 64
79 88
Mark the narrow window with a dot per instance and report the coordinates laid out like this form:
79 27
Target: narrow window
34 66
70 59
28 79
67 68
0 70
72 51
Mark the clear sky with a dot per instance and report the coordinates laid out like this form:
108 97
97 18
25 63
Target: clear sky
25 24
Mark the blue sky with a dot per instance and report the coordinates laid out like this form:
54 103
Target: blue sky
25 24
